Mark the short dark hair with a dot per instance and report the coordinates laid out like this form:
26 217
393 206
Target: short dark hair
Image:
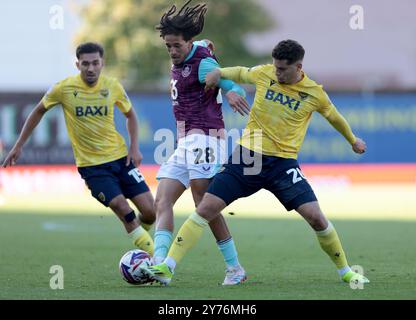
289 50
90 47
188 22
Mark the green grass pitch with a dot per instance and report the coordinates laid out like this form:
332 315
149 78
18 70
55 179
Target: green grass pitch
281 256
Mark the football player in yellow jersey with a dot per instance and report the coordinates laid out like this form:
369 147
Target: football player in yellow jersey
284 102
108 167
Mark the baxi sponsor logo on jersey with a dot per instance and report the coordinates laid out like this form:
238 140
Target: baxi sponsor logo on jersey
86 111
284 100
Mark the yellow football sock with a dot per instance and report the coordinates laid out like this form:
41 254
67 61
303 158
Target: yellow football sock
330 243
188 235
142 239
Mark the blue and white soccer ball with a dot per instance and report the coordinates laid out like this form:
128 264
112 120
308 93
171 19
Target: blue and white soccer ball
130 264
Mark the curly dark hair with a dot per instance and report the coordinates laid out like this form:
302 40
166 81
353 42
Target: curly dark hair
188 22
289 50
89 47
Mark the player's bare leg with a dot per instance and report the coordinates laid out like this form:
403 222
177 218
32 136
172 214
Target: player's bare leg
329 240
121 208
145 204
125 213
168 192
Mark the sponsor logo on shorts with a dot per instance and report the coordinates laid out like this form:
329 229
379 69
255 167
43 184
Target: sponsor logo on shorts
101 196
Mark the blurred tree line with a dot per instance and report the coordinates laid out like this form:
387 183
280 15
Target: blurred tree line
134 51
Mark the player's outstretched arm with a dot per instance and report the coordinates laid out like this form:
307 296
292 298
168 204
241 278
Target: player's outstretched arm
236 74
212 79
30 124
134 154
234 93
342 126
237 103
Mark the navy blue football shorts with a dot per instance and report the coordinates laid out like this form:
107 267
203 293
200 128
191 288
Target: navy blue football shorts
108 180
280 176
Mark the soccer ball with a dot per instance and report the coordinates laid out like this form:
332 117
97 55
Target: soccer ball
130 263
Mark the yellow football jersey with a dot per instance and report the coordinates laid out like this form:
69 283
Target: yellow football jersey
281 113
89 117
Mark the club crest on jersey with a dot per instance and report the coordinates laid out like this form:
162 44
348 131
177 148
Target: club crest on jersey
186 71
104 93
303 95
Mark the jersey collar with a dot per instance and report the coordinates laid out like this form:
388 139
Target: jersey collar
190 54
86 85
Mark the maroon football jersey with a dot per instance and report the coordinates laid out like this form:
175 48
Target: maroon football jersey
192 106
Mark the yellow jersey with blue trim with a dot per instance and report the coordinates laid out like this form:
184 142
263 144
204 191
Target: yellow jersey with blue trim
89 117
280 113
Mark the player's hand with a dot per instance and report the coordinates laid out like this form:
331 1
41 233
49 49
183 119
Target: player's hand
134 156
359 146
210 44
212 79
238 103
12 157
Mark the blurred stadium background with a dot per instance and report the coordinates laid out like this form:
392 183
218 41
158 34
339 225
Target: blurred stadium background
369 74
